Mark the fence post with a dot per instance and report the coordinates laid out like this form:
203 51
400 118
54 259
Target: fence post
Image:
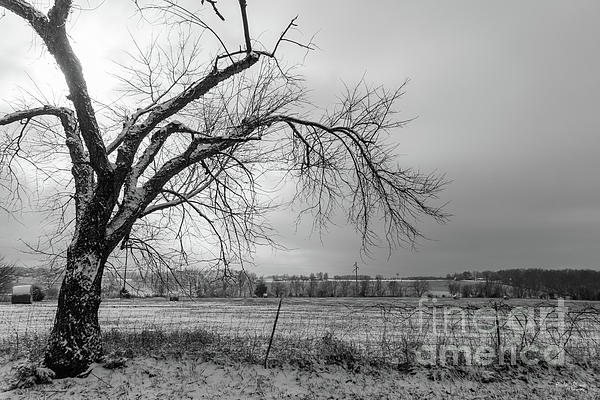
498 335
273 332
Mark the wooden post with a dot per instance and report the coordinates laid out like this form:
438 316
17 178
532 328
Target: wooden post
273 332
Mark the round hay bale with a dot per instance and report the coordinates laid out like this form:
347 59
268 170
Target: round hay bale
21 294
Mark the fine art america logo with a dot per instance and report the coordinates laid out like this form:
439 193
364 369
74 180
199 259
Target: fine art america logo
494 334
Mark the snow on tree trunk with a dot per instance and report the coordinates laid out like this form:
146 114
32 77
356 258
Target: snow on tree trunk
75 340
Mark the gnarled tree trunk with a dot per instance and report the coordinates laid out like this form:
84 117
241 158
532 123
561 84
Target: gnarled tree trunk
75 340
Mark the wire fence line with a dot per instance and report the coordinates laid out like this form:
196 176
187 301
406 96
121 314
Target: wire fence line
382 327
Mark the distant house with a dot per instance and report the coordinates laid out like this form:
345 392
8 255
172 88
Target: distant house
22 294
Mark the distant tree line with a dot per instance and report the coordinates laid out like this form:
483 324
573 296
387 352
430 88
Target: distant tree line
486 288
320 285
195 283
186 282
578 284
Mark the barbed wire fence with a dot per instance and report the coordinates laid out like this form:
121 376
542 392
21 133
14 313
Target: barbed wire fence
387 330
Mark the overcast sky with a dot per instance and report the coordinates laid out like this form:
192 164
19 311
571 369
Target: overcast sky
507 96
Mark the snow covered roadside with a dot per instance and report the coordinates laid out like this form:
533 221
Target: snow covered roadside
149 378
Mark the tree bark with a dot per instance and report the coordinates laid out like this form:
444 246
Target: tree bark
75 340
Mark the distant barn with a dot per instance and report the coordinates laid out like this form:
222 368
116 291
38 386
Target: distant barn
22 294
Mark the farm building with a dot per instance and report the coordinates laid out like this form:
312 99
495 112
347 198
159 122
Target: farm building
22 294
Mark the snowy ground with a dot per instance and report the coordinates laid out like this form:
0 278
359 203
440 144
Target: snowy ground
148 378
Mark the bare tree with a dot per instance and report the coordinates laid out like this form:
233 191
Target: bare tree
7 275
188 161
420 287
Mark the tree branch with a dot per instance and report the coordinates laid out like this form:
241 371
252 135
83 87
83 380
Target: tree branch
187 199
159 113
213 3
194 92
181 198
80 170
32 112
69 124
52 31
245 24
59 12
28 12
201 147
159 138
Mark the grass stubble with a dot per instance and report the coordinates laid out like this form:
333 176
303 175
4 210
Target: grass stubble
155 363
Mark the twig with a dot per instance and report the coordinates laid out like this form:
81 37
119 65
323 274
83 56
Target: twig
245 24
101 380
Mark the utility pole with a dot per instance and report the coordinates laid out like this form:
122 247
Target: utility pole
356 279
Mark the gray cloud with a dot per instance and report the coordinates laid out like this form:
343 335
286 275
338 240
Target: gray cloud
506 95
